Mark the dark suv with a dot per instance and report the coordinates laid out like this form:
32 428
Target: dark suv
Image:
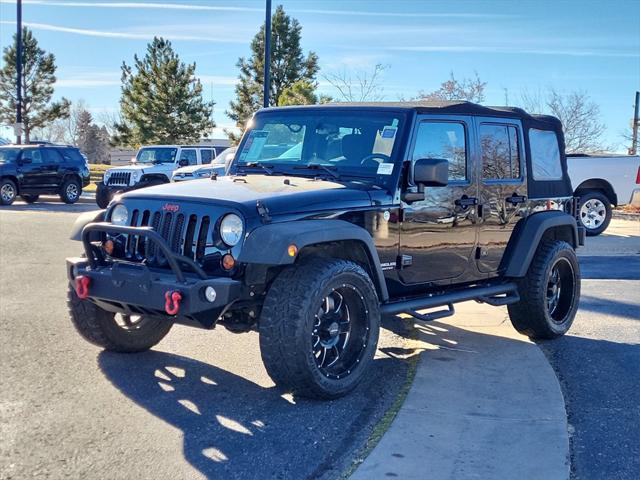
32 170
331 217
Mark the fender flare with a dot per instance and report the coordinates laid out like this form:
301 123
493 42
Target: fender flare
527 236
83 220
268 244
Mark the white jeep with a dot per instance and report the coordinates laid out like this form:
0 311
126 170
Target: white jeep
152 165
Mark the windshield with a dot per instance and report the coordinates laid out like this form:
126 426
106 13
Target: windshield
8 155
333 143
156 155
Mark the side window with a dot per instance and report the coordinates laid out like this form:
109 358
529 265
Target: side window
189 155
206 155
33 154
445 140
72 155
500 152
545 155
52 156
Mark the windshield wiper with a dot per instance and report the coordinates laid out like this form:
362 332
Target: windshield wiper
266 168
317 166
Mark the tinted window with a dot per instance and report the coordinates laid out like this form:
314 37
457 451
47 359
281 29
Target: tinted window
445 140
206 155
52 156
189 155
500 152
545 155
32 154
71 155
8 155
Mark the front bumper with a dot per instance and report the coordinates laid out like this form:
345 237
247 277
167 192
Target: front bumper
134 288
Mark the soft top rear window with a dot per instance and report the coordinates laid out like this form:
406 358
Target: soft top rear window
545 155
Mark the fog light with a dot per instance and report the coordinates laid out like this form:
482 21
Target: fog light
228 262
292 250
108 246
210 294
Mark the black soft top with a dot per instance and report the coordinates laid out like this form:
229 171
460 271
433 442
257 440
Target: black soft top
536 189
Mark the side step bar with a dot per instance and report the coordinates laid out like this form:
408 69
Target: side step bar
486 294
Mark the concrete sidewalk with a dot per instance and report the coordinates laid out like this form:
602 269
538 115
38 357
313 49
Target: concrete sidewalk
485 404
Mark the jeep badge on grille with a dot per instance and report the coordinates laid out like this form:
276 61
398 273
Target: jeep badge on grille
170 207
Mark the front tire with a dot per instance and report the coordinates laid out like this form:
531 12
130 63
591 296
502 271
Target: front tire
319 327
103 196
594 212
70 191
121 333
8 192
549 293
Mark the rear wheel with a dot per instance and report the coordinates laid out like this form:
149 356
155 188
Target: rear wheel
549 293
30 198
319 328
115 332
70 191
595 212
8 191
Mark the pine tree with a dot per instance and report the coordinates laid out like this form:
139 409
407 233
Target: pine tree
161 100
288 66
38 77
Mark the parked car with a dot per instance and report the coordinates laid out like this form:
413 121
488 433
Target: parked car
600 182
219 165
33 170
383 209
152 165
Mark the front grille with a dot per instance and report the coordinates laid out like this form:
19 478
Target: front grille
119 178
186 234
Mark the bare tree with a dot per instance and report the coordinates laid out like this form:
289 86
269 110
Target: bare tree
361 86
469 89
580 117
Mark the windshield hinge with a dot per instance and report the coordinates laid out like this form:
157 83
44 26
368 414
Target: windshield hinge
263 211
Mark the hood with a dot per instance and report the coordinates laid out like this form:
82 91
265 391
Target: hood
194 168
132 167
280 194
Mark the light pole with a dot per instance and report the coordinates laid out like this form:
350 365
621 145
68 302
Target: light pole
267 55
18 126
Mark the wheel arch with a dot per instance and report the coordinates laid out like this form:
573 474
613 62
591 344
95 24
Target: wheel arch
530 232
600 185
72 176
147 177
268 246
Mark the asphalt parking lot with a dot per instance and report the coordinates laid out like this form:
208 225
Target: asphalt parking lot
200 405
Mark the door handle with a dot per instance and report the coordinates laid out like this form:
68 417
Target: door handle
465 201
516 199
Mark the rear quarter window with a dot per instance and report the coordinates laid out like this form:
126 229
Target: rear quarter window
72 155
545 155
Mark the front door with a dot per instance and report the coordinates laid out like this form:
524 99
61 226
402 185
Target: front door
503 188
34 176
439 232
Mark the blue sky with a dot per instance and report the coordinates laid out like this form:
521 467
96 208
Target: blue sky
587 45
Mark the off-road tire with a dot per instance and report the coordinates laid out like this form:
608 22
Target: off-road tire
530 316
599 197
287 320
65 191
6 187
30 198
99 327
103 197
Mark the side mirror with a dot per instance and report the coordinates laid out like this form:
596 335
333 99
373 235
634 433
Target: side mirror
183 162
427 172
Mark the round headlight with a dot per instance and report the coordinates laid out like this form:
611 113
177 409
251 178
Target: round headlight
135 176
105 177
119 215
231 229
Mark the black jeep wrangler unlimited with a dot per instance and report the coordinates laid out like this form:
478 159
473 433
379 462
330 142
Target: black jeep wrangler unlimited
42 169
333 216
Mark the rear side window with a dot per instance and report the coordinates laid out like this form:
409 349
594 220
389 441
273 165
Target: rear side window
206 155
500 152
444 140
545 155
72 155
52 156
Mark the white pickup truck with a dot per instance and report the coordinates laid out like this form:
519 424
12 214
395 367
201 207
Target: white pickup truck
603 181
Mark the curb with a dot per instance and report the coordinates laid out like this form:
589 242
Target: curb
485 403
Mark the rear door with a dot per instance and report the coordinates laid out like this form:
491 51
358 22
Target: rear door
439 232
503 187
53 170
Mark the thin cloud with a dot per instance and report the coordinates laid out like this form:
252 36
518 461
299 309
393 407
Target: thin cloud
217 8
508 50
122 35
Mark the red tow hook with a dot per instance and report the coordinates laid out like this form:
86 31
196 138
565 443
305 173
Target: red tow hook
172 302
82 286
